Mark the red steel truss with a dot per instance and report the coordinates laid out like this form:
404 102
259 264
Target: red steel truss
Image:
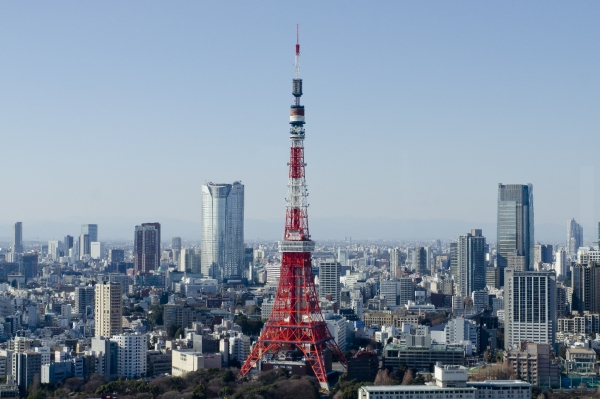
296 320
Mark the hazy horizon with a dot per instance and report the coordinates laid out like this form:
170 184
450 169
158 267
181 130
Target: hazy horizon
415 112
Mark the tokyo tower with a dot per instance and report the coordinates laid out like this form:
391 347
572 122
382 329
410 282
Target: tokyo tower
296 321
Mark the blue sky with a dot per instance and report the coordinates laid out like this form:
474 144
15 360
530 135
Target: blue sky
415 110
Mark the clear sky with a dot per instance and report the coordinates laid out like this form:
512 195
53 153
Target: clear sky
415 110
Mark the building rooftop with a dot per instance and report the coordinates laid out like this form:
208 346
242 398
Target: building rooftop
416 388
433 347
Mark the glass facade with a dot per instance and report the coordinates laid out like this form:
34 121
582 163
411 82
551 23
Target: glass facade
222 244
515 228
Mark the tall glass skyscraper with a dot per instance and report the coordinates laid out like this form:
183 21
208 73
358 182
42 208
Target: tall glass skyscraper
515 228
471 262
18 238
222 244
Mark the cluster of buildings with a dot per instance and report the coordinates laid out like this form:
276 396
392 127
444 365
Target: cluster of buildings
145 308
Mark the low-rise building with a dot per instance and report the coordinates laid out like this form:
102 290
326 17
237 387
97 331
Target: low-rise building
158 363
581 361
184 361
450 383
586 324
363 366
422 357
534 363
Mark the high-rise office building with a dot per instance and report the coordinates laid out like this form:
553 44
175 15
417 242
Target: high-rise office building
222 245
116 255
176 248
543 253
530 307
388 290
85 245
586 287
91 230
471 263
146 248
561 264
54 248
25 366
343 256
67 244
406 290
394 262
454 259
109 309
18 238
515 228
186 260
84 300
574 237
329 280
29 265
420 261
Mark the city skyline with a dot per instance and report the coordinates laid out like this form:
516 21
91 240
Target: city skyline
424 73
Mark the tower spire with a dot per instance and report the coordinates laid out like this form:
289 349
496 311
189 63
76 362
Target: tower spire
296 322
297 65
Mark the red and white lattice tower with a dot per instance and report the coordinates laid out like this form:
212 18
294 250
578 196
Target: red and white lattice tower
296 320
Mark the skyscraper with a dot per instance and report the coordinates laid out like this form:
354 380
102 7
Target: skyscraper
329 280
561 265
515 228
146 248
91 230
67 244
454 259
574 237
176 248
85 246
84 298
109 309
530 307
222 245
29 265
586 287
18 238
186 260
420 261
394 262
543 253
471 263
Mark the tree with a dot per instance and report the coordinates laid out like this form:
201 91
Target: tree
155 315
383 378
199 392
408 377
178 333
172 330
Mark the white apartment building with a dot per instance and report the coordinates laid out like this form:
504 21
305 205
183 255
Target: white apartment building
337 327
132 350
108 310
530 307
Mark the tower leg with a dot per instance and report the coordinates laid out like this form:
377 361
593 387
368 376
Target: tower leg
314 356
258 350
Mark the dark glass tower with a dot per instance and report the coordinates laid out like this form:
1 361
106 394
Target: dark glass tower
515 228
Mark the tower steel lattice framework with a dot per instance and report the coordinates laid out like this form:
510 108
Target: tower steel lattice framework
296 319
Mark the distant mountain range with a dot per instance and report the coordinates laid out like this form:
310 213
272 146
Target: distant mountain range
333 228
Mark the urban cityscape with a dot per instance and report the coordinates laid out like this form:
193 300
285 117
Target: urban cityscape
494 313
